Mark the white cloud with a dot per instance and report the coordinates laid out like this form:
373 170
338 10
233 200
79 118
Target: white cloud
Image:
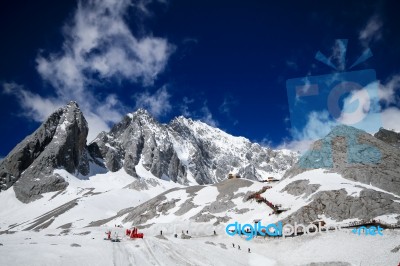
206 116
98 47
35 107
158 104
378 98
226 106
390 118
184 107
387 92
372 31
203 113
296 145
318 125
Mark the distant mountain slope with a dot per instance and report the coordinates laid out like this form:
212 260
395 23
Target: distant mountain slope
186 151
338 191
356 155
358 177
183 151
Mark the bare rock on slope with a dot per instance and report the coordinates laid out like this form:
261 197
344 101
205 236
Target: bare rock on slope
60 142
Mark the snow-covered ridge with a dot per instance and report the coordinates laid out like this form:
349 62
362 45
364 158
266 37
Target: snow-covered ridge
187 151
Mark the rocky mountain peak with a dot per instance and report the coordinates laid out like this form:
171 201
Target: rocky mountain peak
354 154
60 142
184 151
359 179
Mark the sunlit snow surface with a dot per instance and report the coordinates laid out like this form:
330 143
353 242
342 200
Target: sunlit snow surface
101 196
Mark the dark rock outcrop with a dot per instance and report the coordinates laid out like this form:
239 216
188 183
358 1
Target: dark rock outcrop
388 136
356 155
185 149
60 142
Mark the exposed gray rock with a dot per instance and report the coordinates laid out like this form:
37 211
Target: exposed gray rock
148 210
241 211
388 136
176 151
300 187
186 206
396 249
340 206
184 147
218 211
356 155
60 142
142 184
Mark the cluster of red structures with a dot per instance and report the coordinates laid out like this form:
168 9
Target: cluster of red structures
259 199
133 233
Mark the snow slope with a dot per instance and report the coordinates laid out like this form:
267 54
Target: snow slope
83 201
87 247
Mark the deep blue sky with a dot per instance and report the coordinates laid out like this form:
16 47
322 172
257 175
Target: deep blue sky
240 52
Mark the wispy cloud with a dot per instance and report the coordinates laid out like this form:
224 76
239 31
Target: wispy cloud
98 47
226 106
158 104
206 116
361 107
203 113
184 107
372 31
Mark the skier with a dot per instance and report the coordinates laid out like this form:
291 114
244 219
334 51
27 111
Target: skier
238 247
233 244
249 250
161 232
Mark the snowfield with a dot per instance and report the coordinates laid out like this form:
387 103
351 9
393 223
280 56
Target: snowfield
68 227
86 247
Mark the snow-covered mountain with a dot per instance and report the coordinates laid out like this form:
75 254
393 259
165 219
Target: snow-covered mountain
63 194
186 151
60 142
183 151
327 183
347 175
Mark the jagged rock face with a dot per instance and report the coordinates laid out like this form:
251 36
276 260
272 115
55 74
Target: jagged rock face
185 150
60 142
356 155
388 136
339 206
